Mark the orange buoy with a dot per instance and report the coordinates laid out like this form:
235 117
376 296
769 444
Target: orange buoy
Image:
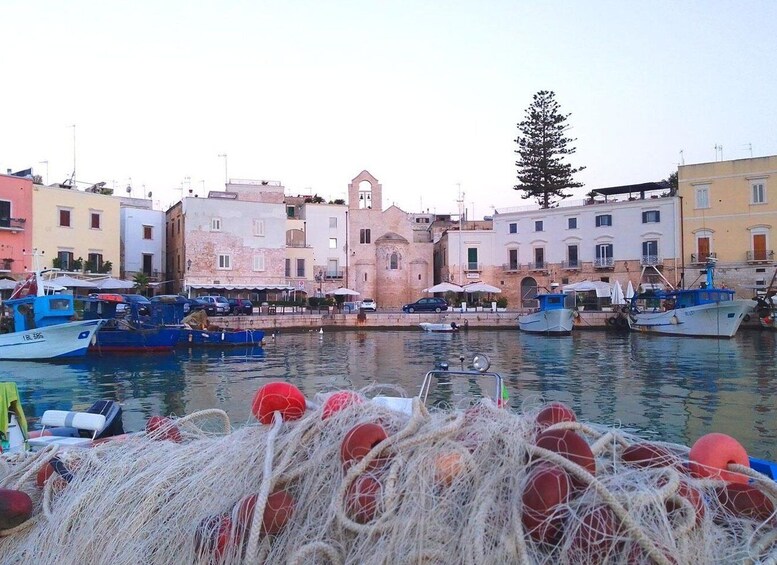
572 446
212 537
162 428
547 486
340 400
745 501
278 397
649 455
448 466
359 441
15 508
362 498
711 455
554 413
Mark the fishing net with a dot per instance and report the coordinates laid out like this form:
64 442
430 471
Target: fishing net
472 485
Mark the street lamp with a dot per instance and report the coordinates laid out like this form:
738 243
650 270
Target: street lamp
320 280
189 265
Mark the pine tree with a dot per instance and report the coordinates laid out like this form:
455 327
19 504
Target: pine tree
542 145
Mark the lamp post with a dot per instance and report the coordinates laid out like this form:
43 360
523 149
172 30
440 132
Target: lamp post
226 177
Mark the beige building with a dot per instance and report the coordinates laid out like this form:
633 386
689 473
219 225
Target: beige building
389 254
71 225
729 213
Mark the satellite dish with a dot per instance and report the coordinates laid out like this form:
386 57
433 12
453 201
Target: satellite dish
149 194
129 189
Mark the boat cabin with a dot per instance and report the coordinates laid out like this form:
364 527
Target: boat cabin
31 312
698 296
555 301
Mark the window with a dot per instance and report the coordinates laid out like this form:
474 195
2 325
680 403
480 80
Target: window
288 268
300 267
289 211
333 222
539 258
148 232
472 258
65 260
225 262
513 227
94 220
758 192
148 263
332 243
513 258
259 228
759 252
650 252
364 236
215 224
5 214
603 220
64 218
572 260
394 261
651 217
94 262
703 196
258 262
538 225
604 255
571 223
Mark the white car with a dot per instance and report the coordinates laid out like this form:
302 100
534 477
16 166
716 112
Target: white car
369 304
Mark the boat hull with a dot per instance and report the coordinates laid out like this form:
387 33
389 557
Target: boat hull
219 338
555 322
716 319
59 341
134 340
441 327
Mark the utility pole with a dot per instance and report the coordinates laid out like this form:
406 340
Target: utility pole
226 176
461 213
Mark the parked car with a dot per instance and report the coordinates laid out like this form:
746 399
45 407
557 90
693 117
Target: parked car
369 304
174 298
426 305
239 306
142 302
202 304
220 305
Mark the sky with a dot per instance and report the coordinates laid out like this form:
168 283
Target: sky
425 95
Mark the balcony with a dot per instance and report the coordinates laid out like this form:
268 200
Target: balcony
702 258
333 275
571 265
510 267
12 224
472 267
650 261
538 266
604 263
765 256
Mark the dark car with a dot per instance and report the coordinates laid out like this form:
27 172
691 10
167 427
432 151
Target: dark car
239 306
202 304
141 301
426 305
173 299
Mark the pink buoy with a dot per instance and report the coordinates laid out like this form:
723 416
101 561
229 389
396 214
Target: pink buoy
554 413
279 397
162 428
339 401
359 441
711 455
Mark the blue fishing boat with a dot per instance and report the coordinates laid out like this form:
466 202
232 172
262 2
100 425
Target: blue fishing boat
130 332
38 326
554 316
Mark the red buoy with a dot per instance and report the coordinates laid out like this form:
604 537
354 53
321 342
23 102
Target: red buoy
547 486
212 537
359 441
745 501
692 495
649 455
572 446
711 455
162 428
340 400
43 474
554 413
362 497
278 397
277 512
596 538
15 508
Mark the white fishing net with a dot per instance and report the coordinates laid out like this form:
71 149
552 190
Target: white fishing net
444 487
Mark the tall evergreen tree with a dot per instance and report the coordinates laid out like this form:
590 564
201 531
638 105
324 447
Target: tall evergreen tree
542 145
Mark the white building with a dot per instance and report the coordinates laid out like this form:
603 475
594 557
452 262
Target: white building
142 239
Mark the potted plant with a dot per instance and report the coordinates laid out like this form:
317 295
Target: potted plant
501 304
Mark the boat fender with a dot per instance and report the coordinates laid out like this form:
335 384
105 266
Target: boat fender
746 318
611 321
674 320
711 455
576 314
15 508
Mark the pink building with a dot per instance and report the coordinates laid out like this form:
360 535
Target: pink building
15 225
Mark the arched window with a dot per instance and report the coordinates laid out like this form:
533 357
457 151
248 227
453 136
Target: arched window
394 261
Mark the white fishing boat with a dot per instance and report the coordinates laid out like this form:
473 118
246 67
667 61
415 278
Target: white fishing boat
555 315
439 327
39 326
700 312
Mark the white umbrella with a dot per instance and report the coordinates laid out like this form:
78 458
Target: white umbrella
444 287
629 291
481 287
71 282
342 291
110 282
7 284
602 289
617 294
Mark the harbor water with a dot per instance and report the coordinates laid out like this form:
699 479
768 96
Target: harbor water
663 388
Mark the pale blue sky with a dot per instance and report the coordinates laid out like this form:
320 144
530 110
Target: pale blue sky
424 95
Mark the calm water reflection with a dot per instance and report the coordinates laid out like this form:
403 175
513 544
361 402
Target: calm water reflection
672 389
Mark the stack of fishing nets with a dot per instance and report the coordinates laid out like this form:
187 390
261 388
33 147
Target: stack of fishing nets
349 480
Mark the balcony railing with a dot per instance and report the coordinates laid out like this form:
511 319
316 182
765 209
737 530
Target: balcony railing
604 263
766 256
472 267
650 260
701 258
510 266
329 275
570 265
13 224
538 266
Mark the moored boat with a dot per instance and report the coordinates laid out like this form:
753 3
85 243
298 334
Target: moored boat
439 327
554 315
40 326
698 312
220 337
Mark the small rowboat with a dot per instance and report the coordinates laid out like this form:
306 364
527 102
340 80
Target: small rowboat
440 327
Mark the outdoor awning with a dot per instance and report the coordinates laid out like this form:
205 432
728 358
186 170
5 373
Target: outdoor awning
243 286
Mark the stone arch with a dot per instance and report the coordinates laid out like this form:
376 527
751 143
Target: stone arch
528 292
